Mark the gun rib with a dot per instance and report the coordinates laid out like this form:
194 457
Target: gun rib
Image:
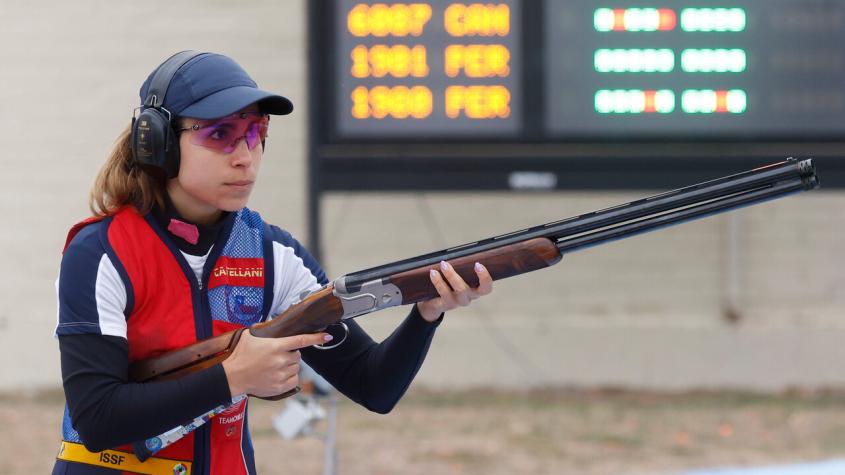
687 214
798 173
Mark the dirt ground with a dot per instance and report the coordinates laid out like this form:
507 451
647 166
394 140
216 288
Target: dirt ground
494 432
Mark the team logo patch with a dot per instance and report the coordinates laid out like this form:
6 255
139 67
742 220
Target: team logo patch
240 309
232 418
153 444
238 272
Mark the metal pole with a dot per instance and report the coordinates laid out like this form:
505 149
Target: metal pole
330 465
732 284
314 192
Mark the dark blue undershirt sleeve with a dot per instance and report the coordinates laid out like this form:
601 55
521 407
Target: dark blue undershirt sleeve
376 375
107 410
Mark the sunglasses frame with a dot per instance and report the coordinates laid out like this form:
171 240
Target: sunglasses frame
234 144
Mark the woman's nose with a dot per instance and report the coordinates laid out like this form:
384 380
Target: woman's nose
241 155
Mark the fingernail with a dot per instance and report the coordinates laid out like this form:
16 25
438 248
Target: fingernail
328 338
444 265
478 267
432 273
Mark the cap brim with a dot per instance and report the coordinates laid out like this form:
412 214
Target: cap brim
228 101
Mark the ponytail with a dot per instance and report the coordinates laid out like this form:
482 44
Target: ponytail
122 182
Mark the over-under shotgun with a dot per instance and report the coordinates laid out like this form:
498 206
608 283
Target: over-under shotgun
407 281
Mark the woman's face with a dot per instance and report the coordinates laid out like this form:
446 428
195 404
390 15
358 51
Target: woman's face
213 180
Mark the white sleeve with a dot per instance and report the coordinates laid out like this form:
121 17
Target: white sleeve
291 278
91 297
111 299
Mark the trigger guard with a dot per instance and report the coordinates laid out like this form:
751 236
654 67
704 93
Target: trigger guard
335 345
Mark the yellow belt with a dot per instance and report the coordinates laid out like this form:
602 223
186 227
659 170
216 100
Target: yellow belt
127 461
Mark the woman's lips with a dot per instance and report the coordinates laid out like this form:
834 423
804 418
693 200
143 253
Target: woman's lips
240 185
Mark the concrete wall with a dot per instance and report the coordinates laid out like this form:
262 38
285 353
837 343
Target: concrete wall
647 312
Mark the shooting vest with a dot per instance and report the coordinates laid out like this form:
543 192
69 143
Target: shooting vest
168 308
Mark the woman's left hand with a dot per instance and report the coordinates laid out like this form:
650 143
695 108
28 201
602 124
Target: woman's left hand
454 291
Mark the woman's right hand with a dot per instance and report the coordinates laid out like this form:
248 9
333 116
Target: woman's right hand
267 367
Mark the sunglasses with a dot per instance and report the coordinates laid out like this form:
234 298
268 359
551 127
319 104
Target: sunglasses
225 134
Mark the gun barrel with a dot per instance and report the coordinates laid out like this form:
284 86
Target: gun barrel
800 174
671 218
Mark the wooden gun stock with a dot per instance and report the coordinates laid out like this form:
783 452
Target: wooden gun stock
323 308
501 262
312 315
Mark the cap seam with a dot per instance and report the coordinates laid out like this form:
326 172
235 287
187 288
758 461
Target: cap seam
190 84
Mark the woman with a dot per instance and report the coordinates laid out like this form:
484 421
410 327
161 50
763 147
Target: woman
173 256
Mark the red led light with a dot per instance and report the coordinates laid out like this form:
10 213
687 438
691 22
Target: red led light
650 106
636 19
618 19
668 19
721 101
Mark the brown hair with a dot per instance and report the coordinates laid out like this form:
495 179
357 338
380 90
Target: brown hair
121 182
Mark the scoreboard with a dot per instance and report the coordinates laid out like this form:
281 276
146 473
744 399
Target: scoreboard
445 68
763 69
571 94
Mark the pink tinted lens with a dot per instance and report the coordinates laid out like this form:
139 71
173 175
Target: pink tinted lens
225 134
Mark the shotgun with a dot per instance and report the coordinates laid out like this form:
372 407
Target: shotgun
407 281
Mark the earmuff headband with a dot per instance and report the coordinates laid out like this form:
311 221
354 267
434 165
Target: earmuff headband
161 80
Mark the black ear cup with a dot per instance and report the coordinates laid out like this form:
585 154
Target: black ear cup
154 143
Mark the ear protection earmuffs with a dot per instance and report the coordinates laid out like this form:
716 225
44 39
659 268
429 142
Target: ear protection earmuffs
155 146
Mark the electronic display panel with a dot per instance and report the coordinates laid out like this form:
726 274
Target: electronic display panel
571 94
435 68
695 69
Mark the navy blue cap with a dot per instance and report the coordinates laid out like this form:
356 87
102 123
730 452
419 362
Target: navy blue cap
211 85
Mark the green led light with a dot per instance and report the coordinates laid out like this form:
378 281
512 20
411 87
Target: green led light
604 19
634 101
620 101
708 101
713 60
605 101
713 19
634 60
698 101
737 101
634 19
642 19
664 101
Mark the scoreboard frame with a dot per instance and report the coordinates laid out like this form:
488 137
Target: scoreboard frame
530 161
